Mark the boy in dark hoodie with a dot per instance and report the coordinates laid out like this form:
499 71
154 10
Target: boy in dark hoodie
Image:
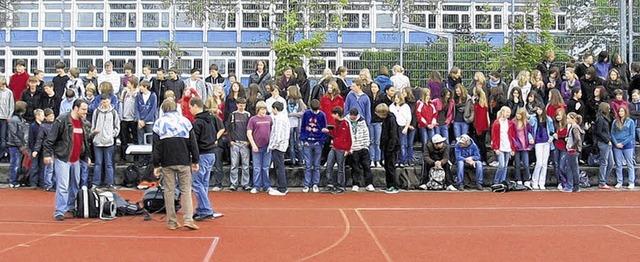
36 162
16 142
390 146
36 152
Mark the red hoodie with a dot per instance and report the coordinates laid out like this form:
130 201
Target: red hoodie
184 103
495 135
341 134
426 114
326 105
17 84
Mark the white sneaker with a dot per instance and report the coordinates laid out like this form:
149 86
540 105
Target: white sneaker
451 188
216 189
373 164
217 215
631 186
618 186
560 187
527 184
370 188
305 189
494 164
535 187
542 187
315 189
519 182
254 191
423 187
275 192
355 188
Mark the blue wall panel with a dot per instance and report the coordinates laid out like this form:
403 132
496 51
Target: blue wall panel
356 37
153 36
222 36
93 36
50 36
331 37
2 36
387 37
122 36
189 36
24 36
255 36
494 39
421 37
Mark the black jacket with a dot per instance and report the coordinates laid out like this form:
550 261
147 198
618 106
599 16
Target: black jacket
544 68
317 92
158 87
635 83
581 70
33 101
206 127
602 130
43 132
177 86
305 91
51 102
17 131
175 151
59 142
588 85
431 154
389 137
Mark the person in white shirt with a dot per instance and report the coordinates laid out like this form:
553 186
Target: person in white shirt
275 97
402 112
278 143
108 75
205 91
399 80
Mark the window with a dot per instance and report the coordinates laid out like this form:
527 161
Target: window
53 20
85 19
530 22
384 20
450 21
264 20
165 20
497 21
317 20
182 20
150 20
21 20
132 20
418 20
50 65
351 20
118 19
154 64
365 21
231 20
250 20
562 23
432 21
2 66
84 63
483 21
99 19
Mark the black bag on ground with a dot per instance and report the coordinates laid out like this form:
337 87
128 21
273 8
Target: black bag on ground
408 179
153 200
125 208
87 204
141 170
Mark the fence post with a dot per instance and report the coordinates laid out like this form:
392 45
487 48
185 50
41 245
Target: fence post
623 29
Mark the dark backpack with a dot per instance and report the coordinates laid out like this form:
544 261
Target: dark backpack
436 179
131 177
87 204
142 170
408 179
125 208
153 200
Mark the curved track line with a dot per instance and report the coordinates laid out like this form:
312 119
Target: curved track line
375 239
347 230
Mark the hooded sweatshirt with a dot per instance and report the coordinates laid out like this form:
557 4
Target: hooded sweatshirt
107 121
205 127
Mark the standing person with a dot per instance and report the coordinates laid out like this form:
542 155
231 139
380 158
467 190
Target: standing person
402 113
523 140
602 138
237 126
106 127
400 81
175 148
341 134
543 130
587 62
7 106
502 131
75 82
445 108
359 158
410 100
145 110
128 124
549 62
481 121
359 100
18 81
110 76
17 131
33 97
43 132
464 113
302 82
454 78
623 140
174 83
341 80
275 96
278 143
560 125
159 85
390 145
254 95
435 83
219 147
622 67
555 103
68 142
571 81
188 94
146 76
214 75
376 124
296 108
602 65
91 77
66 105
516 101
634 107
206 138
330 100
287 79
258 133
426 115
522 82
36 161
312 138
260 76
383 79
436 155
590 81
574 148
128 73
205 91
230 104
49 99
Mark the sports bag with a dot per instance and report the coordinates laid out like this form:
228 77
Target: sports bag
153 200
87 204
408 179
131 177
126 208
107 206
436 179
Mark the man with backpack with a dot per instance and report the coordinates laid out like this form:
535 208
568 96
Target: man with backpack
436 159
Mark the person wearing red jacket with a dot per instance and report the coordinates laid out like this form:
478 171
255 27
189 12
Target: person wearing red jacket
502 132
481 120
330 100
426 115
340 148
18 81
184 103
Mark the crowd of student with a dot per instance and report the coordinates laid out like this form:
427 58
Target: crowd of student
563 112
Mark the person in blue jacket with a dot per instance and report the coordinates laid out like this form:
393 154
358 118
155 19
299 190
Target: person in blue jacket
468 156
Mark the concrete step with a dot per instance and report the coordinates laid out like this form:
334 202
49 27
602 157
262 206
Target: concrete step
295 175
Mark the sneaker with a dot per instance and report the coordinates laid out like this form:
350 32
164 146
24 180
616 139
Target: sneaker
423 187
391 190
246 188
59 218
217 215
542 187
315 189
305 189
632 186
173 226
216 189
203 217
479 187
11 185
527 184
519 182
112 187
254 190
370 188
560 187
328 188
355 188
275 192
605 187
566 190
191 225
50 189
338 191
451 188
535 187
618 186
233 187
494 164
373 164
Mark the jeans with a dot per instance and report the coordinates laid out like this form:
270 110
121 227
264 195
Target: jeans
460 128
426 134
336 156
261 162
557 156
200 184
147 129
35 171
294 145
443 130
539 177
606 162
84 173
239 152
49 180
169 174
217 167
278 164
404 147
374 134
621 155
67 185
411 136
312 155
501 173
522 157
573 174
479 172
15 158
638 134
3 138
104 157
361 166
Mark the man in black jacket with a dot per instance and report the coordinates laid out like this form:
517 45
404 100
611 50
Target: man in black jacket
68 143
175 148
207 136
390 145
436 155
174 83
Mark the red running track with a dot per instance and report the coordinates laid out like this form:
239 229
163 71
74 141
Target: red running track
416 226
